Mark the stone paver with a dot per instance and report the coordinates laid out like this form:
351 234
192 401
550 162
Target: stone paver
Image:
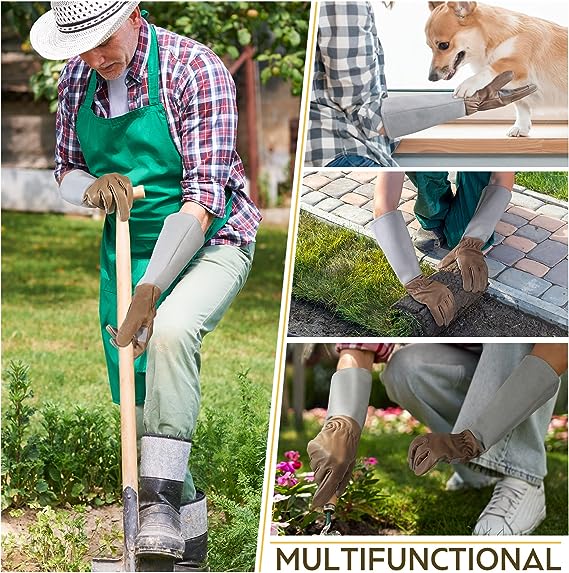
549 252
354 199
526 201
358 216
524 245
548 223
339 187
558 274
533 233
505 254
314 197
522 212
529 255
524 281
552 211
532 267
555 295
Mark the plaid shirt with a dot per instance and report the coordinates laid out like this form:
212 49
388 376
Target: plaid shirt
198 95
382 350
347 88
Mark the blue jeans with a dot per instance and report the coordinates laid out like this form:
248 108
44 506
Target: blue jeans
350 160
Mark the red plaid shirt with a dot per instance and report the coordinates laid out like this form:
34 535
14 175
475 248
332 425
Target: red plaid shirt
198 94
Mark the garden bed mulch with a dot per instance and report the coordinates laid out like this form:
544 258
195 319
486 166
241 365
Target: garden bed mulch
487 317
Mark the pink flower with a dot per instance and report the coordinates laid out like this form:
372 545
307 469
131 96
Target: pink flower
277 526
287 479
309 477
370 462
286 467
292 455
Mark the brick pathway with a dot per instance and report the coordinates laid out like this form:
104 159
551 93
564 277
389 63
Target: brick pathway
527 264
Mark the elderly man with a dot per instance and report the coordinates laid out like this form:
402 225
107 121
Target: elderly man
141 105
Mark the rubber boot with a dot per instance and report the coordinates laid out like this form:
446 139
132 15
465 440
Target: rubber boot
193 516
163 463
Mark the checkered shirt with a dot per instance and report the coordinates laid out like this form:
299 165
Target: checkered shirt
382 351
347 87
198 94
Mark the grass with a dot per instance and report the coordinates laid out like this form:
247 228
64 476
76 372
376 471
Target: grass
348 273
420 505
552 183
50 322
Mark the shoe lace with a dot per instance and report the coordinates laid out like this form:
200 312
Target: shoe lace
506 497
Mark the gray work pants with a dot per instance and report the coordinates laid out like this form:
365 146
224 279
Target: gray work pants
447 386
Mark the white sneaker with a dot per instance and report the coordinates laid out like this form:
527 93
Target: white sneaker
516 508
457 482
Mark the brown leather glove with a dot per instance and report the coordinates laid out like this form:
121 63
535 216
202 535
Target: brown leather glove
426 451
435 296
138 323
492 97
110 192
470 259
332 455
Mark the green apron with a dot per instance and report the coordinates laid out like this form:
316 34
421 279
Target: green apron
138 145
437 207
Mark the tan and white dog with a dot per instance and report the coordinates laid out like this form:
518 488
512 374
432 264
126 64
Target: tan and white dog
493 40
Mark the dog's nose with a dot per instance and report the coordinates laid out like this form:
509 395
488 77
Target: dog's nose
433 75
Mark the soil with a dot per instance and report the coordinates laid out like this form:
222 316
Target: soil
100 521
487 317
364 527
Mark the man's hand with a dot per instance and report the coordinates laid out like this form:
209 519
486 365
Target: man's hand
470 259
435 296
111 192
138 323
426 451
492 96
332 456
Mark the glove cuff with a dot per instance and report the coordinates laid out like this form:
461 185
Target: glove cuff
493 202
349 394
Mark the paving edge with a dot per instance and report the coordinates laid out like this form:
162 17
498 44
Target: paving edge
508 295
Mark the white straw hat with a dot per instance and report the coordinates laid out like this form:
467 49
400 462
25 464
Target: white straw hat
71 28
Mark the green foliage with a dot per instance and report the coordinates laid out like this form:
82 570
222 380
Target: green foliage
552 183
57 541
20 16
277 30
44 83
59 456
348 273
228 458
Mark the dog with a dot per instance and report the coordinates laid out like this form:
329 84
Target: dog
493 40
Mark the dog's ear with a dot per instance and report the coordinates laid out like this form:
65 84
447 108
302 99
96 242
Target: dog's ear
462 9
433 5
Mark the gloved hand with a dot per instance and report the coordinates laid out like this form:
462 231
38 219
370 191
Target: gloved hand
111 192
435 296
138 323
468 254
426 451
492 97
332 455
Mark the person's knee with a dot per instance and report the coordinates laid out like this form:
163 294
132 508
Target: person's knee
398 375
175 336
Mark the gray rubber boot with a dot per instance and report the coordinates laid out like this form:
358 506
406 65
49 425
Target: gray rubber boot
193 517
163 463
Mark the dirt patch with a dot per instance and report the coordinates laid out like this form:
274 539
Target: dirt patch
487 317
101 523
307 319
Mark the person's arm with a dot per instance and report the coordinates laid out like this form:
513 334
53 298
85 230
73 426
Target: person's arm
208 113
532 383
468 253
394 240
352 58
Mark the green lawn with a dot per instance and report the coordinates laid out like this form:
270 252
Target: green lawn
420 505
552 183
348 273
50 322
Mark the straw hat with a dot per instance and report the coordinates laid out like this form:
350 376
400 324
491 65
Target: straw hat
71 28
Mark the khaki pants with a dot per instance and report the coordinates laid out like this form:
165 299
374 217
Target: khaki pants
193 308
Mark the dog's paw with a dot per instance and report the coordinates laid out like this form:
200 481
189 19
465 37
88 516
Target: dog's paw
518 131
469 86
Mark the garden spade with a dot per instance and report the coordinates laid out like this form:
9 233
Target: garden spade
329 509
127 408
